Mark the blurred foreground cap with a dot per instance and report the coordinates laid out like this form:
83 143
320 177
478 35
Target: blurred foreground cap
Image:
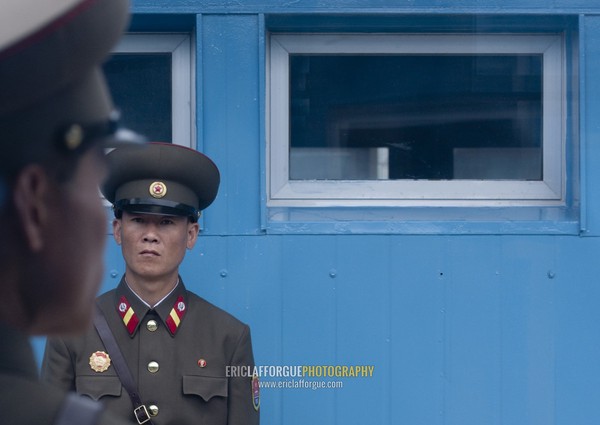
53 94
162 178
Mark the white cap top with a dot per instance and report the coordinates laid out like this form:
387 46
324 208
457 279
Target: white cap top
22 18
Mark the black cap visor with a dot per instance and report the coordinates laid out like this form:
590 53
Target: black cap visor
157 207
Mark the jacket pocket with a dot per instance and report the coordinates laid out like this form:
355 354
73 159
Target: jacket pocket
97 387
205 387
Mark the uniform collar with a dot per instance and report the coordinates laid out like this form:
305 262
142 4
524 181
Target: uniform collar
132 309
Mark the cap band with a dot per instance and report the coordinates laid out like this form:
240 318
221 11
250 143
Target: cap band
77 137
175 192
157 206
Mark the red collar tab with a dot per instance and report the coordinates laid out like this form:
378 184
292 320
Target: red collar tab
176 315
130 319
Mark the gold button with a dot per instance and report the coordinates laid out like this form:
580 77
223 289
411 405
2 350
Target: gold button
153 410
152 325
153 367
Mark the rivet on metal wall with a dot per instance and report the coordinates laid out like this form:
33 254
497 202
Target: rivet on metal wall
223 273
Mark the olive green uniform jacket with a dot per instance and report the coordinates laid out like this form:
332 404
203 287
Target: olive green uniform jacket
178 354
24 400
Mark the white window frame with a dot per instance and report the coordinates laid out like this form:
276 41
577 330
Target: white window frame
283 192
183 82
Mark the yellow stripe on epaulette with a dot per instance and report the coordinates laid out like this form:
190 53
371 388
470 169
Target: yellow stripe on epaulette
175 317
127 316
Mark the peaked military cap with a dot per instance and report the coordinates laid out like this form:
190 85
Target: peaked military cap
53 95
162 178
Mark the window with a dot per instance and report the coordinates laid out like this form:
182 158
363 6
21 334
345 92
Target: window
416 120
151 80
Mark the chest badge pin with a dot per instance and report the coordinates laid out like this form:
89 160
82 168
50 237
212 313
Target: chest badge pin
99 361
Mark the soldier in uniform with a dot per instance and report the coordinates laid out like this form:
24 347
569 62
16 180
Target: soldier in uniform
176 345
56 118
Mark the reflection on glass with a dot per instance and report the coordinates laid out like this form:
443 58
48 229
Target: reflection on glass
141 88
430 117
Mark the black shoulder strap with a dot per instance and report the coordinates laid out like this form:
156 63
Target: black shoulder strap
78 410
139 409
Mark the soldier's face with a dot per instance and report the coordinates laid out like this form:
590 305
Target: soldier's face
154 245
70 259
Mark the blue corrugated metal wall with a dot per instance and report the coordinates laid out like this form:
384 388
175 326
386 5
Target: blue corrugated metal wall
461 329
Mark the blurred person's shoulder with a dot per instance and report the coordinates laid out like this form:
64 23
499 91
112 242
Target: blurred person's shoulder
24 401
